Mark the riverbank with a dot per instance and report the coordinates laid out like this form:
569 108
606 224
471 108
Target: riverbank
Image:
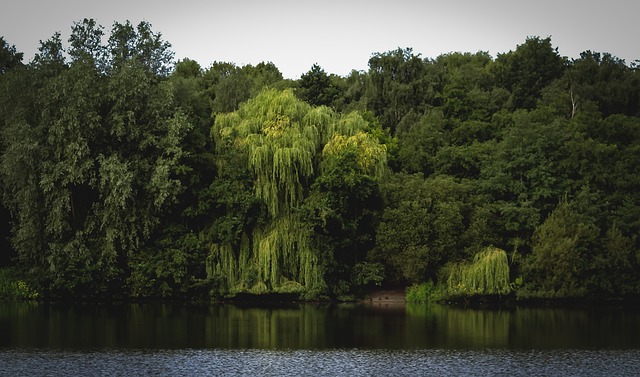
386 298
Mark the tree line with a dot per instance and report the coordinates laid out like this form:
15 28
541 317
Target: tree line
125 173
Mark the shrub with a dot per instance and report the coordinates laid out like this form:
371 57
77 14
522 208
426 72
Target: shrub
421 293
12 288
488 274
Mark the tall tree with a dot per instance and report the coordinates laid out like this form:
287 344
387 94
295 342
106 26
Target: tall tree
468 86
88 175
524 174
399 84
281 140
140 44
527 70
10 59
606 81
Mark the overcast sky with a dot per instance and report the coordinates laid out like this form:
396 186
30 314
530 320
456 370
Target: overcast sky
339 35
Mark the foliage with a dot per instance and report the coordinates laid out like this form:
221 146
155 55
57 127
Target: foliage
399 84
12 288
527 70
422 293
10 58
426 223
367 273
285 143
571 258
114 181
488 274
316 88
88 175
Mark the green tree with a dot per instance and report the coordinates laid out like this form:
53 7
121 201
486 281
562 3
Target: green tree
316 87
399 84
197 169
231 91
228 85
525 175
140 45
606 81
468 88
89 174
562 248
187 68
352 90
265 75
613 269
10 58
344 202
280 140
527 70
427 223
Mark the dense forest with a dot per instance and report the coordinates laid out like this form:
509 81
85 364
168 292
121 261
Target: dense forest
124 173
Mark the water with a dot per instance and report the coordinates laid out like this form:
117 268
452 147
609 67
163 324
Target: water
353 362
315 340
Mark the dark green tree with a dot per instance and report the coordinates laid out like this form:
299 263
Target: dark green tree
419 139
563 247
89 162
352 89
231 91
344 204
427 223
468 86
606 81
400 83
524 174
139 44
264 75
527 70
316 88
10 58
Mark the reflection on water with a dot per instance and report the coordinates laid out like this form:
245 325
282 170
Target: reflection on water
311 327
319 340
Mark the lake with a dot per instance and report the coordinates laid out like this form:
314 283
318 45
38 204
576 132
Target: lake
315 339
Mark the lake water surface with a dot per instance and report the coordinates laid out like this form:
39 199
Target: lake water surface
315 339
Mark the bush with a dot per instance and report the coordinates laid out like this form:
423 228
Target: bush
12 288
422 293
488 274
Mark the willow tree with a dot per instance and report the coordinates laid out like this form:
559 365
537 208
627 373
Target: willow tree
281 140
488 274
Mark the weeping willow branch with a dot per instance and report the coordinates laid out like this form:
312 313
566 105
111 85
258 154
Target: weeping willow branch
371 155
488 274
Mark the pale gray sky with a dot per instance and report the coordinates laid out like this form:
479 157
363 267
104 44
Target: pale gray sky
339 35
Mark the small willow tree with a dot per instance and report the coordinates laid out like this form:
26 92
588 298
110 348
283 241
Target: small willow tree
281 140
488 274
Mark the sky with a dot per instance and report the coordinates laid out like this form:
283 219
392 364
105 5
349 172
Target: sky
338 35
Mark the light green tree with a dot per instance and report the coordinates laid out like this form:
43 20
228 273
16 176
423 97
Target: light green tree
487 274
281 139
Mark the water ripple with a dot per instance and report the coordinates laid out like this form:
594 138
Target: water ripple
347 362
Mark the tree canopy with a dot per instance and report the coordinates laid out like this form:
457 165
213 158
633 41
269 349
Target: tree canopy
125 173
